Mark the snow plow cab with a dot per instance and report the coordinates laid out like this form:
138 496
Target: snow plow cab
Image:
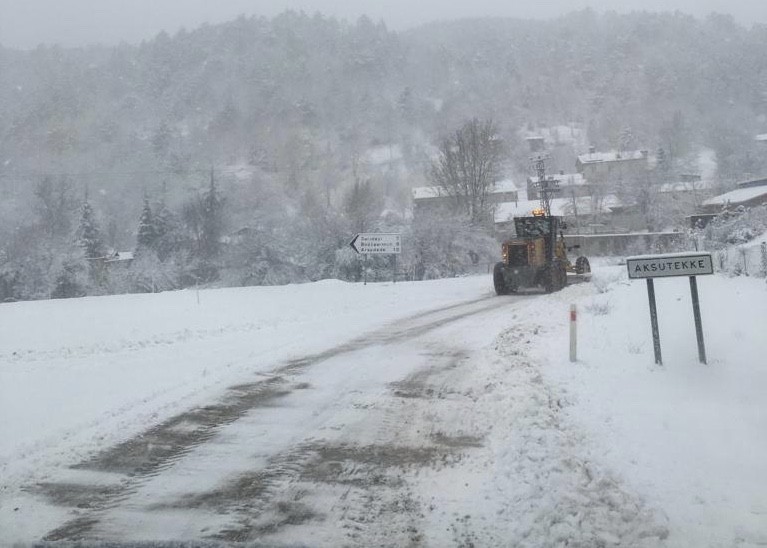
537 257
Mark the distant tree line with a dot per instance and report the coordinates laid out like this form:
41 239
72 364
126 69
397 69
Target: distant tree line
319 128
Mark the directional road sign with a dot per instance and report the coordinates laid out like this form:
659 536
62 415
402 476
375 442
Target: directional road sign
377 243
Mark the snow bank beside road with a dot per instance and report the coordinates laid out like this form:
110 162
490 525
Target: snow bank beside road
689 437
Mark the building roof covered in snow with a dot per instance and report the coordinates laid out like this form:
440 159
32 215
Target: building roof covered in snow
565 179
118 256
612 156
428 192
684 186
561 207
383 154
749 195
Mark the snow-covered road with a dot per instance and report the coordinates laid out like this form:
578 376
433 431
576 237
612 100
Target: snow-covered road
269 452
390 437
332 414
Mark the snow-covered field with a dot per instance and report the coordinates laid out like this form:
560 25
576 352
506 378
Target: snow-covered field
429 413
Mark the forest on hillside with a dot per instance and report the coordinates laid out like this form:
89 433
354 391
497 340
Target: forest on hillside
250 152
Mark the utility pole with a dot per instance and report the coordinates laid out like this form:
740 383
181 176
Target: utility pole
547 186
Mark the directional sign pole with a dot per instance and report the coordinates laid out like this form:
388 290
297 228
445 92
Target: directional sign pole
654 321
698 323
365 269
394 273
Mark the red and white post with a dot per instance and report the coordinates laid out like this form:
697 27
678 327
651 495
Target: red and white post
573 333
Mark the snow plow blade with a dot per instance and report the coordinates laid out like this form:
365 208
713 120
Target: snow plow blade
578 278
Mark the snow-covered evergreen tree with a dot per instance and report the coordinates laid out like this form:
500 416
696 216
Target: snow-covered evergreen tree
363 205
169 238
88 235
212 225
71 278
147 274
146 237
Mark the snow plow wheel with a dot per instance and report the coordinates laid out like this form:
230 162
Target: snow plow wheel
498 280
554 277
582 265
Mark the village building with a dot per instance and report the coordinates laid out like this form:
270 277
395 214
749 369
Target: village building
747 194
570 185
118 258
612 167
579 212
429 198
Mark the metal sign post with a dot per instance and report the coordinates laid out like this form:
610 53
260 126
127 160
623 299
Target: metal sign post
670 265
698 323
654 321
394 271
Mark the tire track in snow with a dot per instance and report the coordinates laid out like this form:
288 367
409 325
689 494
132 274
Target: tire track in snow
437 428
149 454
362 485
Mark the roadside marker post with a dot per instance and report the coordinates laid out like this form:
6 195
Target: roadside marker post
573 333
670 265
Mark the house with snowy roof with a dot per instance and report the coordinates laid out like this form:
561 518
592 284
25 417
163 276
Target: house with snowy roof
436 197
121 258
579 211
611 167
570 185
747 194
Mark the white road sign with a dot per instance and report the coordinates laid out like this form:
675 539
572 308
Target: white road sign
374 243
671 264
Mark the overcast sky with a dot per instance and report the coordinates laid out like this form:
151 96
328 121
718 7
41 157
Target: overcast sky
26 23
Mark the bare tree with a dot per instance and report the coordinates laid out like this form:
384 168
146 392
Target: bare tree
468 166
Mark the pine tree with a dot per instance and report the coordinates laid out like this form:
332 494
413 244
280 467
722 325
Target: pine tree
212 225
168 237
88 235
72 277
362 205
147 231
